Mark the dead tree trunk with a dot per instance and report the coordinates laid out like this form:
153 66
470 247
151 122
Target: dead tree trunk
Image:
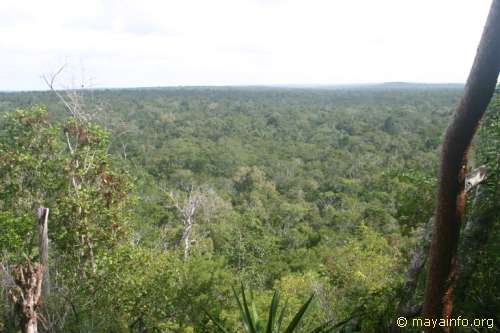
441 274
90 253
188 225
188 208
26 296
43 248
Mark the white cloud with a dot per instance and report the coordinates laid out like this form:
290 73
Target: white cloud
182 42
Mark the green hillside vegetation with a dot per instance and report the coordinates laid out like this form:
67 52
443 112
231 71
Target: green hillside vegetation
164 200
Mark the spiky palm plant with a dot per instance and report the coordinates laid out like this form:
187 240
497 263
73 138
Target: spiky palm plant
274 322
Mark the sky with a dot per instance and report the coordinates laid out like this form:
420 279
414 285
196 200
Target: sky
113 43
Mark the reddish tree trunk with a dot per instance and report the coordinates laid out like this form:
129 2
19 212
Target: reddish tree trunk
438 301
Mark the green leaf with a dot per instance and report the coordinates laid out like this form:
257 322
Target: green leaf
282 316
272 311
250 320
298 316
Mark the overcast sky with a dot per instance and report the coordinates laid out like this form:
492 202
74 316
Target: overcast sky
112 43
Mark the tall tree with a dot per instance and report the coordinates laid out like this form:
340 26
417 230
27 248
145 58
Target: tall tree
438 301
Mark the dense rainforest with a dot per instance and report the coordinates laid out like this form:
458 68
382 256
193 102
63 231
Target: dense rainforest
172 209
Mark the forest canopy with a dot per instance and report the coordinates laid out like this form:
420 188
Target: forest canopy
161 201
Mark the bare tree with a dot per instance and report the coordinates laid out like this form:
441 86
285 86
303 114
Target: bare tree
74 103
71 98
188 206
441 273
79 100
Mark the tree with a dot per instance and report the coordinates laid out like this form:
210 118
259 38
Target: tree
86 193
478 232
441 274
188 206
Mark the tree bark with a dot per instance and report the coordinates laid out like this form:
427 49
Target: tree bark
441 274
185 237
407 306
27 294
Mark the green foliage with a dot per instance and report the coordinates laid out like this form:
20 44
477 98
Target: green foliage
363 271
28 152
416 198
482 298
308 191
17 233
65 167
487 148
275 318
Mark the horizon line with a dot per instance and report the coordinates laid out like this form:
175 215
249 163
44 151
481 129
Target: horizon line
275 85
